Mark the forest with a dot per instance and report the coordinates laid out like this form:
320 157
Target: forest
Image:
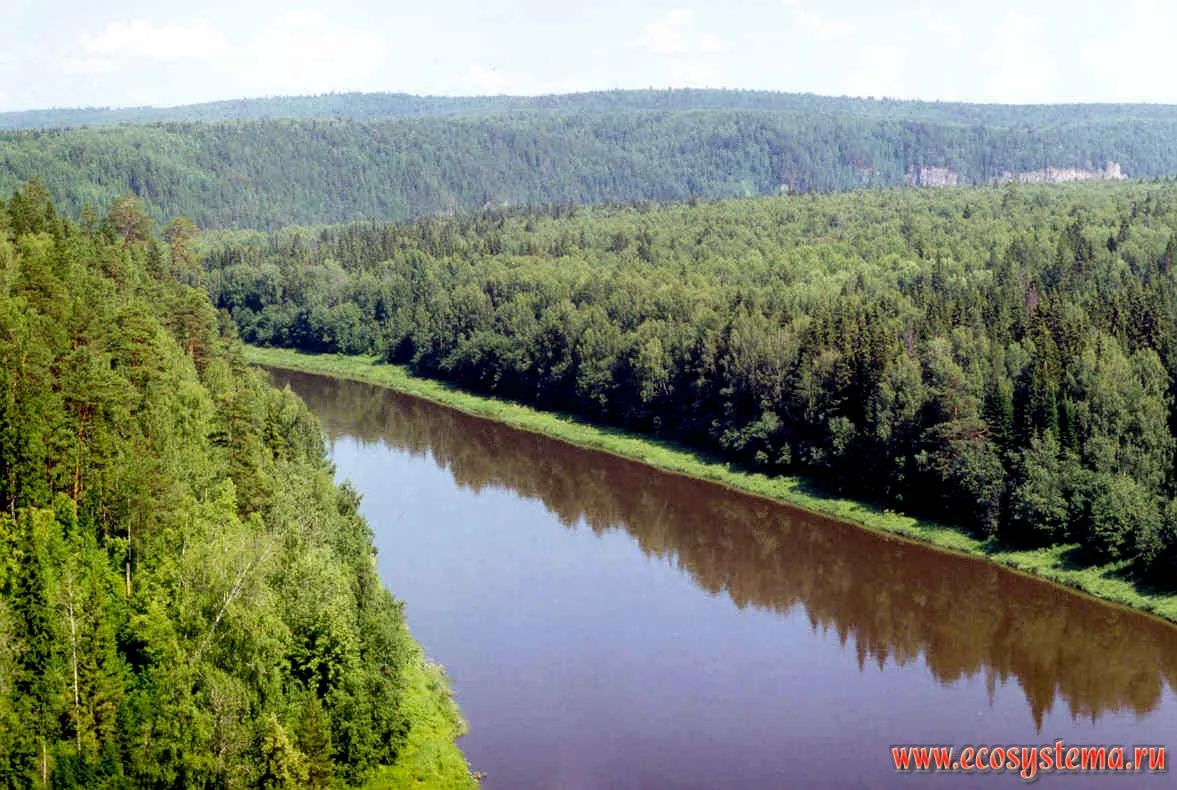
383 157
1001 358
188 599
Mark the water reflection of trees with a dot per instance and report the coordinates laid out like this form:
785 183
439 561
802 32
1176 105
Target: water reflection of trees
895 602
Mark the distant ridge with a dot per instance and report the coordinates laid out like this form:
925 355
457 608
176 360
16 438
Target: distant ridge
268 163
387 106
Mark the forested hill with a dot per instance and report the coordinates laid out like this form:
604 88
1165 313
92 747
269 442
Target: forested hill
385 106
1003 359
186 597
592 148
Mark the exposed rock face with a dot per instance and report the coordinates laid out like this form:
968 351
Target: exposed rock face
925 176
928 176
1058 175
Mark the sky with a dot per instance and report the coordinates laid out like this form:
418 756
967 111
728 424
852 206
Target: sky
96 53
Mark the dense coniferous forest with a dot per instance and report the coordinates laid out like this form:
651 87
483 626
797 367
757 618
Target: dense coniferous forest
1001 358
188 600
271 163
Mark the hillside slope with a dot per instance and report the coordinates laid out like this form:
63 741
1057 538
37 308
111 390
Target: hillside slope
186 597
268 174
386 106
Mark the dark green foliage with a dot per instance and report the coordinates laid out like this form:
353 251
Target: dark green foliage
1041 507
972 354
1121 514
186 598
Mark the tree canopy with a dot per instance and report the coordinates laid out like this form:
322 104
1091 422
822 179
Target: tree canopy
1002 358
186 597
262 170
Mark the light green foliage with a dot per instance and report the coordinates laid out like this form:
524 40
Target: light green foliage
186 598
429 758
283 766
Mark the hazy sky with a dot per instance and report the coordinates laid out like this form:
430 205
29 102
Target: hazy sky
132 52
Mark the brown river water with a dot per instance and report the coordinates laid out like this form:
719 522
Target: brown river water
606 625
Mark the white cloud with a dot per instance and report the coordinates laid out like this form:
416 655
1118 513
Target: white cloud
823 28
947 32
487 80
790 3
1020 70
128 45
878 73
121 43
88 67
711 44
694 73
673 34
302 17
303 52
690 58
667 35
1134 62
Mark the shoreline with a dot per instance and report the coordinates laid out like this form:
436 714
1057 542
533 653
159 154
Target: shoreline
431 758
1048 565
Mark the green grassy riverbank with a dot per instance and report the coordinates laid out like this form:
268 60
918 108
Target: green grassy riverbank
431 758
1107 582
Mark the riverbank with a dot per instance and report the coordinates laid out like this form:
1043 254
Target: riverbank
1105 582
431 757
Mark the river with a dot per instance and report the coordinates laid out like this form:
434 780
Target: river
606 625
